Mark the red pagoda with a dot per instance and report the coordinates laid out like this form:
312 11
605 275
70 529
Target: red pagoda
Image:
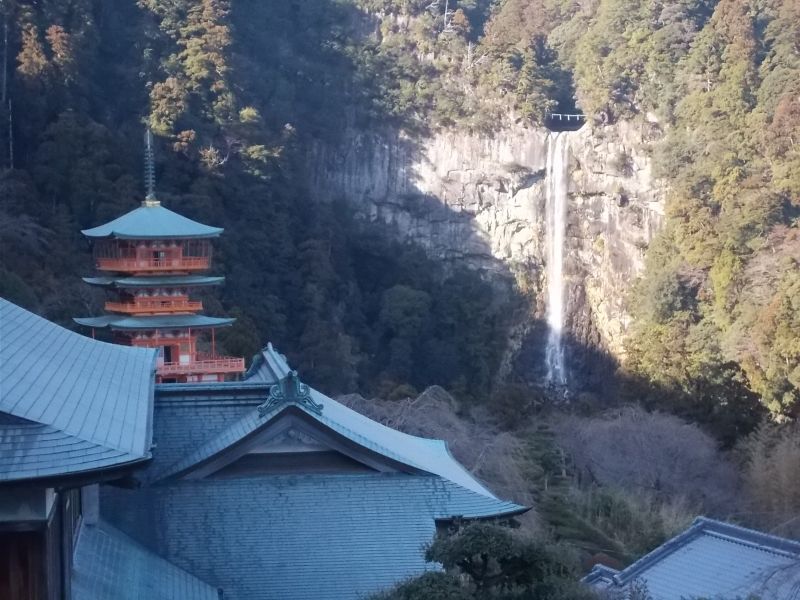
151 258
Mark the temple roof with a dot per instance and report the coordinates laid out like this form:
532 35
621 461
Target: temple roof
712 559
69 404
152 221
108 564
412 453
125 323
149 282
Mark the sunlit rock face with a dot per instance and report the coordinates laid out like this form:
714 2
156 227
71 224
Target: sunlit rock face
460 196
481 201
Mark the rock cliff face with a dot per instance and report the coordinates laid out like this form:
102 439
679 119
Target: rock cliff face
480 201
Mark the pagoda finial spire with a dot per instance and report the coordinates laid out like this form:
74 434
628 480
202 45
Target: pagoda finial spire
149 170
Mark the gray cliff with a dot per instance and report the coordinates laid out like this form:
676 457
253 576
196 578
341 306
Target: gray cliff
480 201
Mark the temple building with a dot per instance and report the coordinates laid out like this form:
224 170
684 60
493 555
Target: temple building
150 259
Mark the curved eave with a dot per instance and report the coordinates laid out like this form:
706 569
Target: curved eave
78 476
116 235
101 281
116 323
147 282
96 322
501 509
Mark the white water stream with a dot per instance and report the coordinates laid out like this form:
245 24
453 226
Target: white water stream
556 211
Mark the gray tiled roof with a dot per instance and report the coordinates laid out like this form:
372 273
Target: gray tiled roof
110 566
69 403
299 537
713 559
420 454
152 222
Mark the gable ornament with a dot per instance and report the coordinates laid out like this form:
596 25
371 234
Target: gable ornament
289 390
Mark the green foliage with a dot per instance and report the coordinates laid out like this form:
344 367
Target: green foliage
429 586
494 563
710 317
613 524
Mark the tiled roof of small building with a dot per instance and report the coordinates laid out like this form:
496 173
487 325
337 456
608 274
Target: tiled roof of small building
152 221
148 282
108 565
126 323
69 403
712 559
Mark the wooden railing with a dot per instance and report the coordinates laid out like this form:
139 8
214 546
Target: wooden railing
219 364
155 306
138 265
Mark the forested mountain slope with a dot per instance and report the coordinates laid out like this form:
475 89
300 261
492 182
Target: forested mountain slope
236 89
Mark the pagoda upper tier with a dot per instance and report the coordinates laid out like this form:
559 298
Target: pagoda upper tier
151 258
151 240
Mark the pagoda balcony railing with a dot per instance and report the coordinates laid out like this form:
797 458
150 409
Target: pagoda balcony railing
219 364
152 305
141 265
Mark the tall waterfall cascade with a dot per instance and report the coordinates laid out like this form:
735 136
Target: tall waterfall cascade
556 212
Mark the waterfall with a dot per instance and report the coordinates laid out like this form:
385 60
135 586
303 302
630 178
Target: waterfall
556 210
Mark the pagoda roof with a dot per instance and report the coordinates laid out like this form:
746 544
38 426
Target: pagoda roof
69 404
148 282
126 323
152 221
